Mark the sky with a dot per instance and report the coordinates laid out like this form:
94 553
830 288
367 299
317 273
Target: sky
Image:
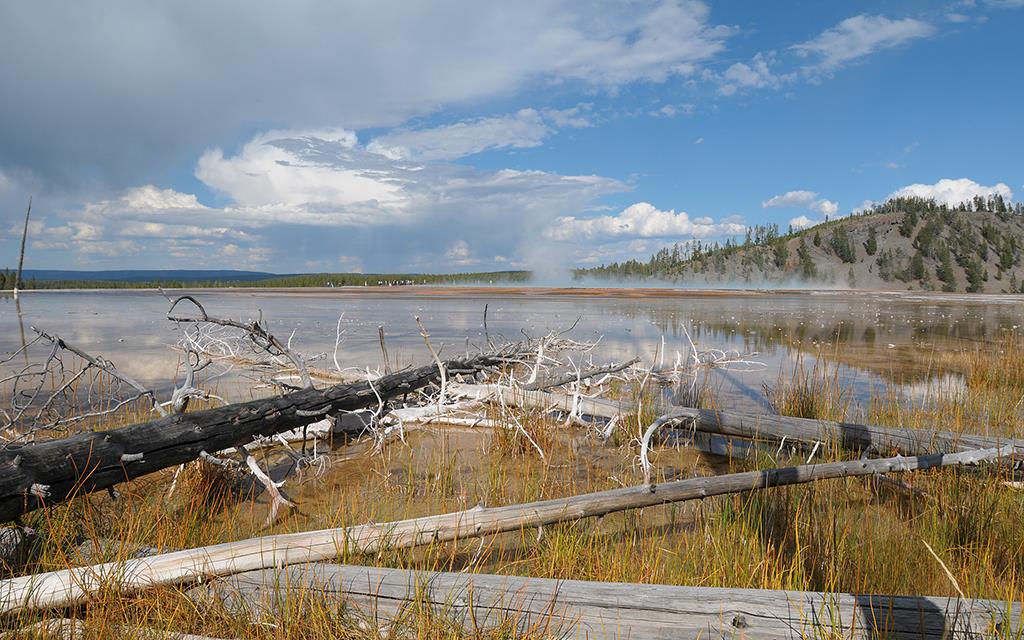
459 135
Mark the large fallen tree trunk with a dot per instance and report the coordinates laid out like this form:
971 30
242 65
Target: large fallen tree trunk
35 475
68 586
597 610
848 435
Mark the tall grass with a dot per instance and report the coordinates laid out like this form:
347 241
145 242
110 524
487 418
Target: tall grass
809 393
851 535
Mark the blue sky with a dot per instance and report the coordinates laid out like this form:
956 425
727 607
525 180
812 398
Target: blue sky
458 136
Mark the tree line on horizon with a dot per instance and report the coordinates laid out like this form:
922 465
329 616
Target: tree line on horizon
7 278
938 231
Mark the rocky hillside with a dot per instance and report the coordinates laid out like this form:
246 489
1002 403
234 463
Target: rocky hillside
905 243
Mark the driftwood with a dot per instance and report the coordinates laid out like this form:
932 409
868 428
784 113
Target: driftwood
597 610
40 474
543 400
848 435
69 586
571 377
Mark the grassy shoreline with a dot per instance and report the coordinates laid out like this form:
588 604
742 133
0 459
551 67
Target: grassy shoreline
852 535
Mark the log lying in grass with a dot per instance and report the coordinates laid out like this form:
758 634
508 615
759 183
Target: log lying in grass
848 435
597 610
35 475
68 586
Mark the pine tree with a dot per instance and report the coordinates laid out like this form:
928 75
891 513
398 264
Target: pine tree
808 270
908 223
917 271
871 246
781 253
944 271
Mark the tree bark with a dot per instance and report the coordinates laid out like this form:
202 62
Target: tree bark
848 435
35 475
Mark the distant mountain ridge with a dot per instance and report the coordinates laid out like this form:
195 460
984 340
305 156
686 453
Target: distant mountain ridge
904 243
148 275
172 278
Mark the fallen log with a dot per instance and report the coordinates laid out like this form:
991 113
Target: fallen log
45 473
599 610
69 586
848 435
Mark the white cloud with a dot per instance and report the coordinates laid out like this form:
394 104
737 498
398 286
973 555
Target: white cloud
281 183
798 198
802 199
573 117
757 74
150 198
953 192
699 141
1005 4
459 254
673 110
857 37
802 222
826 207
523 129
640 220
957 18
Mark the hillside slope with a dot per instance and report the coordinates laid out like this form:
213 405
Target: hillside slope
905 243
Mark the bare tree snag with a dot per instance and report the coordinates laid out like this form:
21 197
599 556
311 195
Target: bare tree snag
48 472
21 256
70 586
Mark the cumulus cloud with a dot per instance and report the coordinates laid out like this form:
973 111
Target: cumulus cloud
802 222
802 199
151 198
388 212
757 74
640 220
953 192
857 37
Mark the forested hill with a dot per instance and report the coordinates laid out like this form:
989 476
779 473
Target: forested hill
905 243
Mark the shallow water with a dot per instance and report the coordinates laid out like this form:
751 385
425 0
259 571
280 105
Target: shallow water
876 338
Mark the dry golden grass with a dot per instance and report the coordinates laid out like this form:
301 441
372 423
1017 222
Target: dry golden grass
850 535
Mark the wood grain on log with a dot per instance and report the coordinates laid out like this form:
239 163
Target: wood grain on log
599 610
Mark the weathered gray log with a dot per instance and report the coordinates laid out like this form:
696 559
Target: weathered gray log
596 610
48 472
70 586
848 435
